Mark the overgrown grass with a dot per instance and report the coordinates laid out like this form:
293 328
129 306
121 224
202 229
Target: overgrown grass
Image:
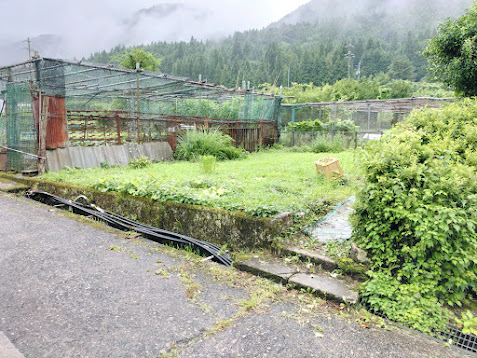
323 144
263 184
206 142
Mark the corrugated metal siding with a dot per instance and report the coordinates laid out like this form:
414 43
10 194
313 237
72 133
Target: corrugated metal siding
57 127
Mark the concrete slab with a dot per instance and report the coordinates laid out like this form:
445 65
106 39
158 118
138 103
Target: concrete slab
7 349
335 226
327 287
274 271
325 262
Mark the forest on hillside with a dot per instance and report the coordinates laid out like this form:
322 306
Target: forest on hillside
320 52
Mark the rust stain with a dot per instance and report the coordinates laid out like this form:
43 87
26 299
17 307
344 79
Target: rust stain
56 125
57 128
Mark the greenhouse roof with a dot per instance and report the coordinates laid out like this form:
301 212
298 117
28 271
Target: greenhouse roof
60 77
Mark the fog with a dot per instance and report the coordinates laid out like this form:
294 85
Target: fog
74 29
402 13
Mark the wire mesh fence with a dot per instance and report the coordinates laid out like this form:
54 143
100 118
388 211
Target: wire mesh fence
3 123
87 128
367 115
21 129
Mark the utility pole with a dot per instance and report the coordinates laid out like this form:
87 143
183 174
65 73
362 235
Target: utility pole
29 49
28 41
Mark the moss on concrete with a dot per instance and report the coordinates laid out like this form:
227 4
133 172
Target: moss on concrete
352 268
236 229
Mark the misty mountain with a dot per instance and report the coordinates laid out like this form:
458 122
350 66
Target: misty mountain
386 15
167 22
321 42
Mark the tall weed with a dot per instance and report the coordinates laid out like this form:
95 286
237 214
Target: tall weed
207 163
323 144
195 143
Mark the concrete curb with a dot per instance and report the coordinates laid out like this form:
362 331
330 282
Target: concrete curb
322 285
324 261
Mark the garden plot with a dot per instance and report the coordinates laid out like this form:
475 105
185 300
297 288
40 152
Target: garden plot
263 184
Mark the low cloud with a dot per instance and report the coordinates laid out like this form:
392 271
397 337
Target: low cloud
65 29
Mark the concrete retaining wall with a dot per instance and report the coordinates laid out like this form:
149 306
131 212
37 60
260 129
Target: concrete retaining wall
90 157
236 229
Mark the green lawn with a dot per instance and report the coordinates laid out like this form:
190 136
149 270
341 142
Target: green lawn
263 184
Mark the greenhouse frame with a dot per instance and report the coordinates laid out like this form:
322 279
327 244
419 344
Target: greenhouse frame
49 104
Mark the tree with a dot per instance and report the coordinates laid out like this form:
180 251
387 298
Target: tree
146 60
453 53
401 68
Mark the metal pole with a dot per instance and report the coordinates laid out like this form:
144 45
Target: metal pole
369 116
137 104
19 151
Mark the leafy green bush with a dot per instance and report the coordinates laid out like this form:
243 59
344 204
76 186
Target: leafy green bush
306 126
212 142
468 322
416 215
141 162
318 126
341 126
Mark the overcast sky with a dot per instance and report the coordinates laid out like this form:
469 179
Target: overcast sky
93 25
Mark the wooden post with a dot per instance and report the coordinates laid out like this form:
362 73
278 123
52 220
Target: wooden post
261 132
118 128
44 102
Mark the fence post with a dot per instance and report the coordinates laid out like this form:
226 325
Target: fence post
369 116
261 132
43 117
118 128
138 130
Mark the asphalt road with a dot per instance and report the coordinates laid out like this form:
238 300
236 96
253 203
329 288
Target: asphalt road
72 289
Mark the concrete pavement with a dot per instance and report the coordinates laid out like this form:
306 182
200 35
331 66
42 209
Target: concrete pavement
72 289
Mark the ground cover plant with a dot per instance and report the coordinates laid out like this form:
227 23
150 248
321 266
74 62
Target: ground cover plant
416 216
263 184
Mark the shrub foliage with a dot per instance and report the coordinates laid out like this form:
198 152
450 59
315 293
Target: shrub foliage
416 215
316 126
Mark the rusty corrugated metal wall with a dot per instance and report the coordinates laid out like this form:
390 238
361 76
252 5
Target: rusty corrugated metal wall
56 123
